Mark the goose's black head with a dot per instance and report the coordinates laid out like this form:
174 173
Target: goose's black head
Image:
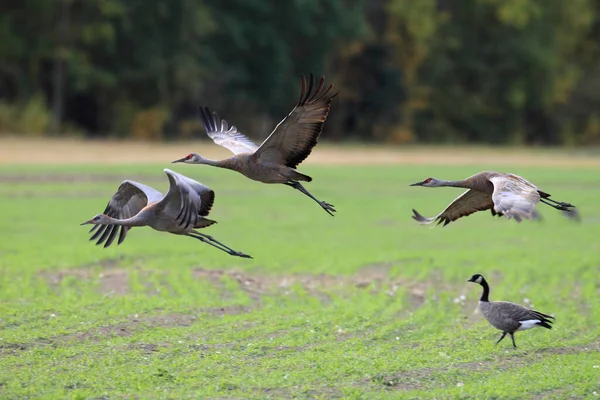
477 278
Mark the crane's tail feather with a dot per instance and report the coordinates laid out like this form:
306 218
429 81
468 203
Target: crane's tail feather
297 176
204 222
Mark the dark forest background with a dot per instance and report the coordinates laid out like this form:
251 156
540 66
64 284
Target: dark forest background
445 71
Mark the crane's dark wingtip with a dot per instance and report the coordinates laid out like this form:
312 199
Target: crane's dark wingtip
204 111
417 217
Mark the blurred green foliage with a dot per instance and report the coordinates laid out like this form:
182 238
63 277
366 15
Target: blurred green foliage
491 71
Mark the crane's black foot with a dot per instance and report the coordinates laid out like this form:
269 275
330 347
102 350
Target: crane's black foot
563 207
240 254
559 205
327 207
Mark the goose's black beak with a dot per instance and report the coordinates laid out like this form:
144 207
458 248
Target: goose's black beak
418 184
180 160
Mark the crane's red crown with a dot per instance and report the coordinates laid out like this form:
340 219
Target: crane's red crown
189 156
427 180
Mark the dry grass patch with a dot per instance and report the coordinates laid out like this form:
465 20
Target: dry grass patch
76 151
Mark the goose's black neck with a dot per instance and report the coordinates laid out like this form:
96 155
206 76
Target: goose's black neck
486 291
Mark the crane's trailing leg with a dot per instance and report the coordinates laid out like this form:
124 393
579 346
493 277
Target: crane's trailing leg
326 206
213 240
215 243
559 205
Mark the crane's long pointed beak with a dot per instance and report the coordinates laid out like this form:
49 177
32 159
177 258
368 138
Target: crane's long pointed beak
86 222
176 161
417 184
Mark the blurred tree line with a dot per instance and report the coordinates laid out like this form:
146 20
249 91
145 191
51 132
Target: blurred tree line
489 71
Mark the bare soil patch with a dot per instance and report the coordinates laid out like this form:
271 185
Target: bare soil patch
229 310
373 277
376 278
127 328
111 280
417 379
114 282
77 151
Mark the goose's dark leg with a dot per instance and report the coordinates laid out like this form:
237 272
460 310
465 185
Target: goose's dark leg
215 243
501 337
512 336
326 206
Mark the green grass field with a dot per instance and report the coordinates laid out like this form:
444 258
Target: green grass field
367 304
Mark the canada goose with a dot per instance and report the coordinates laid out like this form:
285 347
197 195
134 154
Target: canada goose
506 316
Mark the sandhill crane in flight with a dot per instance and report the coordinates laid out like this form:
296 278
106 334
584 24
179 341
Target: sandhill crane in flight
502 193
276 159
182 210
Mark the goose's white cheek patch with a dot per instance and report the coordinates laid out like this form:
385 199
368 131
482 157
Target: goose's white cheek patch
528 324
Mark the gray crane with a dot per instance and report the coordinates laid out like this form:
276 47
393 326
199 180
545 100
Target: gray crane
276 159
509 317
182 210
502 193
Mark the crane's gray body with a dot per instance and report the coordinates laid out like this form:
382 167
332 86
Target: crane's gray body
276 159
181 211
504 194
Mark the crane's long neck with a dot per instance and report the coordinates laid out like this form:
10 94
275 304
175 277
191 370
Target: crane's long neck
227 163
486 291
136 220
463 183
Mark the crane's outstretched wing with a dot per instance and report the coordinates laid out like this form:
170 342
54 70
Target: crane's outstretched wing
225 136
467 203
183 202
207 199
207 195
294 137
514 197
129 200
